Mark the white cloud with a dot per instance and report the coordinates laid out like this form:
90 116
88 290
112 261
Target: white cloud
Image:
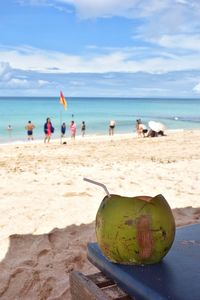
89 8
177 34
169 35
181 1
197 88
128 8
93 9
17 83
178 41
5 71
189 3
42 83
10 78
32 59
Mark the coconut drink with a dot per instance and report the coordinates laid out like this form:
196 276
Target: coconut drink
134 230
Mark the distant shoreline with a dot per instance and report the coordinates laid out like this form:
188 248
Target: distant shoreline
95 112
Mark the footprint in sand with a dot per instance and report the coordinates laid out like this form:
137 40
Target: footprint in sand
74 194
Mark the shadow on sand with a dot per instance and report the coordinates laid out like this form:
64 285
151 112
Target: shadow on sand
36 267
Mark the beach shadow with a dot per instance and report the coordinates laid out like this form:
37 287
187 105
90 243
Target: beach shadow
186 215
38 266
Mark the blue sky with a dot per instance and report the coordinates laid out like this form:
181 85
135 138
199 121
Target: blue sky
130 48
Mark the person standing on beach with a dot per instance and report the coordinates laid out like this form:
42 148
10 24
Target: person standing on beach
73 129
138 127
112 127
63 131
48 130
83 128
29 127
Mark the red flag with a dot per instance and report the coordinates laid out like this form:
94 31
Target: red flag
62 100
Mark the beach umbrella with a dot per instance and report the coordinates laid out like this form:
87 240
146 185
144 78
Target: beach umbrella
156 126
161 126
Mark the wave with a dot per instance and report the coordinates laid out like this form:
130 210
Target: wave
186 119
193 119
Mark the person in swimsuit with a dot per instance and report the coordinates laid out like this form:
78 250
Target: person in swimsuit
112 127
29 127
139 128
63 131
48 130
73 129
83 127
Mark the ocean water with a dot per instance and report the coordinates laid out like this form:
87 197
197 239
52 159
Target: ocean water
96 112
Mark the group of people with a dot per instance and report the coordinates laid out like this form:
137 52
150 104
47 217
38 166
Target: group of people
49 129
142 130
72 127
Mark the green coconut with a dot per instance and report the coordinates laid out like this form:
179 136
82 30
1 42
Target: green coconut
138 230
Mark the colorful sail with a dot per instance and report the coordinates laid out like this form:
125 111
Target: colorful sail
63 101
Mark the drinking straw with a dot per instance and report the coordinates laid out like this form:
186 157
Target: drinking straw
100 184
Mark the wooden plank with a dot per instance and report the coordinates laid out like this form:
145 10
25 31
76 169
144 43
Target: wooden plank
82 288
108 286
116 293
100 280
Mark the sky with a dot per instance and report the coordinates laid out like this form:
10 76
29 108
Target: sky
102 48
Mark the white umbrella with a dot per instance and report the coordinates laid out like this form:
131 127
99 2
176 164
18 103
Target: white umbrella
161 126
156 126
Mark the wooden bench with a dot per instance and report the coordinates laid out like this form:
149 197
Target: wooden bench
177 277
96 286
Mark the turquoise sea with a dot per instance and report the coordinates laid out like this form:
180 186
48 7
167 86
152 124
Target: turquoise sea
96 112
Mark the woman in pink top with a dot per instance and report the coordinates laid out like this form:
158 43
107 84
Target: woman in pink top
73 129
48 130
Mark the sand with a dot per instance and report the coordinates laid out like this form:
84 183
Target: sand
47 211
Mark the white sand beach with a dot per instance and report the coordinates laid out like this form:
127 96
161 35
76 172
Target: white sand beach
47 210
